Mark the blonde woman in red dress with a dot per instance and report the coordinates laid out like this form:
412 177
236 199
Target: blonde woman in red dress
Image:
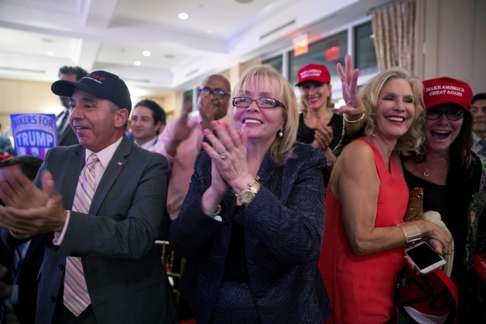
366 200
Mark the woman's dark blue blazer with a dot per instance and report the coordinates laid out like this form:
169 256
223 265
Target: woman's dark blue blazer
283 229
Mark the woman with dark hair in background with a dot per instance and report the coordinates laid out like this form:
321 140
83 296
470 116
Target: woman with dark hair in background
450 175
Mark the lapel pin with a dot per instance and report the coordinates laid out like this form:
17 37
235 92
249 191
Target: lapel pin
119 163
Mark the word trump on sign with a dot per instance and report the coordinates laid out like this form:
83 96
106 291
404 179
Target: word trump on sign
34 134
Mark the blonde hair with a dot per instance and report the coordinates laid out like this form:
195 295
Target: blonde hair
412 140
264 77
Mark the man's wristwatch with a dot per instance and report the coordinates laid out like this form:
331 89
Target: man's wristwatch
246 196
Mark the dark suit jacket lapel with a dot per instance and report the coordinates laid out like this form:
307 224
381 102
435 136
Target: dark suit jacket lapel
114 168
71 175
67 137
65 134
62 135
62 127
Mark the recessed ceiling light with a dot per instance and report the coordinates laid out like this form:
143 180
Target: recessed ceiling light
183 15
146 53
137 63
50 53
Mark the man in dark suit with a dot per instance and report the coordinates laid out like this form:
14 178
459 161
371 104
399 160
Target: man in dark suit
100 265
65 134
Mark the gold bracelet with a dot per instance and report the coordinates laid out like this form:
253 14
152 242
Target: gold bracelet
246 196
410 231
349 121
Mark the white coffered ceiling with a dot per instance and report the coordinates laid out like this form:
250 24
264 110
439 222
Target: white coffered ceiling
38 36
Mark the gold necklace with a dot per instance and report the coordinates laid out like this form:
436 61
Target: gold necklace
427 172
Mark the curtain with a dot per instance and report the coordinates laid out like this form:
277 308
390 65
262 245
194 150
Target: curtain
394 34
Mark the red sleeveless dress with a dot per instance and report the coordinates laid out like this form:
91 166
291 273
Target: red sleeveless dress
361 288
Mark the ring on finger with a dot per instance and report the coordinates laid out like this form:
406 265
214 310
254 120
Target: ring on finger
223 156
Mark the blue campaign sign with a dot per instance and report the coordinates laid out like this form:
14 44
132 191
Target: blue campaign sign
34 134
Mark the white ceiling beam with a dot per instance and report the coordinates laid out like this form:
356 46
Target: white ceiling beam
138 36
100 13
87 54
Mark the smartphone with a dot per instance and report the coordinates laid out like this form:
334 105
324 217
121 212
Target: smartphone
424 257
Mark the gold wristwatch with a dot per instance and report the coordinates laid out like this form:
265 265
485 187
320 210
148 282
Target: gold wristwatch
245 197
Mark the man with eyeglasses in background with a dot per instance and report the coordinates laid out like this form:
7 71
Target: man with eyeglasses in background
180 142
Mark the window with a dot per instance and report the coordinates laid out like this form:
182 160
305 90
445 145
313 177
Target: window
188 95
364 49
276 62
328 51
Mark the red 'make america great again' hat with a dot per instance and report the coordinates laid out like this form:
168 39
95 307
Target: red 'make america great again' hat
313 72
429 298
445 90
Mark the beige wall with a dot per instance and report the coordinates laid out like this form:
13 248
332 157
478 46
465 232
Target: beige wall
18 96
172 104
454 34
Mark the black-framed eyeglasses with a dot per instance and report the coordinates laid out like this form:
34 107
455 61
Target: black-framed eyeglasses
452 114
262 102
218 92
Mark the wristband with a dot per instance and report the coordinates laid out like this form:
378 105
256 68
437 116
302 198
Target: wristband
349 121
410 231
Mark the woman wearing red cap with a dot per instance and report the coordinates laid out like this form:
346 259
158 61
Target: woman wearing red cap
366 201
319 123
450 174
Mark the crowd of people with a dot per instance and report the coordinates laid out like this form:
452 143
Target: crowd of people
282 214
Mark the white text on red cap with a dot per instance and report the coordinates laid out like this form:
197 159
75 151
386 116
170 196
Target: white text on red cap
310 73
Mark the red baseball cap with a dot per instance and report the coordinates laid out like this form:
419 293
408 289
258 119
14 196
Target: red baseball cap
429 298
313 72
445 90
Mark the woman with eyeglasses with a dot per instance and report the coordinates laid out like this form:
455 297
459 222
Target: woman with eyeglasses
321 125
450 175
251 224
366 201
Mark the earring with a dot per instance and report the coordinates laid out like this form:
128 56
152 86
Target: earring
280 133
